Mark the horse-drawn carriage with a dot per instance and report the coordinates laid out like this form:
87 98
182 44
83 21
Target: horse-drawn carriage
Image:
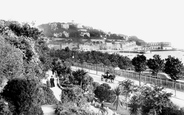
107 76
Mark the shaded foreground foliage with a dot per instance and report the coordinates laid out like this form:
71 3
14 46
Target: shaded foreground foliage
22 96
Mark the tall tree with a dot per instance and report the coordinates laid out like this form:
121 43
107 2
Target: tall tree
103 92
139 63
173 67
156 64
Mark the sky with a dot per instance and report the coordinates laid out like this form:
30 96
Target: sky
150 20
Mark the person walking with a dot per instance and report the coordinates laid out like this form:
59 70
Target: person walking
52 81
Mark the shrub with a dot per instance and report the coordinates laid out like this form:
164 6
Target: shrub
22 95
74 94
103 92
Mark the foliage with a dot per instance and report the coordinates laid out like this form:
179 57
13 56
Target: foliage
172 111
127 87
82 78
150 99
103 92
69 108
95 85
134 105
11 63
155 99
24 30
173 67
74 94
22 95
117 102
93 57
139 63
156 64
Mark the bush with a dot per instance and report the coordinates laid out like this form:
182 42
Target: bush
69 108
75 95
22 96
172 110
103 92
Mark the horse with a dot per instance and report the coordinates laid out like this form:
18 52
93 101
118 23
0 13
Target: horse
112 77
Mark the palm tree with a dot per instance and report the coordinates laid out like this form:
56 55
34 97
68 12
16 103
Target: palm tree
79 75
134 105
128 87
117 102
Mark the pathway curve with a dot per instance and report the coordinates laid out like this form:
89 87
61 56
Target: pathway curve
57 91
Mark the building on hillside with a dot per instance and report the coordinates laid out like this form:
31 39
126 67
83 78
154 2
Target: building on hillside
157 46
116 46
61 45
98 41
128 46
87 34
88 47
109 45
110 40
65 25
69 45
82 30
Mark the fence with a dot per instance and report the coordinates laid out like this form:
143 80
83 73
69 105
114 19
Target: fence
133 75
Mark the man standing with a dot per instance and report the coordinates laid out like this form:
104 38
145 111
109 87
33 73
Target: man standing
52 81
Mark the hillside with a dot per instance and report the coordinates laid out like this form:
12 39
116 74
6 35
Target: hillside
76 32
65 30
138 41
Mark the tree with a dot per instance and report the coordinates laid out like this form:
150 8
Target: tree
134 105
139 63
21 94
102 92
149 100
11 63
124 63
127 88
156 64
75 95
173 67
80 76
117 102
154 99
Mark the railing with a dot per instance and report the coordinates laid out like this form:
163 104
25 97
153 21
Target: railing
133 75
